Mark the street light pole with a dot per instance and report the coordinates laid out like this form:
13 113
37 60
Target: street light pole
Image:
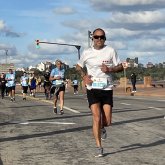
77 46
125 65
6 55
89 37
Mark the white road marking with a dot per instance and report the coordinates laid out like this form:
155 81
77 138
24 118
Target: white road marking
161 100
125 104
51 101
155 108
70 109
43 122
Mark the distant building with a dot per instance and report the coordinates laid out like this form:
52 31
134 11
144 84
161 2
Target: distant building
132 62
140 65
4 68
31 67
163 64
43 66
150 65
160 65
21 69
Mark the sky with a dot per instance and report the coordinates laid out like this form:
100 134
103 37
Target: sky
135 28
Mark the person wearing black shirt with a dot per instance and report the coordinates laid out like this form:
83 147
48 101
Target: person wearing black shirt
2 84
133 81
47 84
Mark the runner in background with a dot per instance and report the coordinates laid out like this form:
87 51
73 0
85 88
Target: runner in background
39 83
47 85
24 83
2 84
57 79
75 85
33 85
10 78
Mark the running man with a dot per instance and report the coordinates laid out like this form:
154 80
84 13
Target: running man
2 84
101 61
24 84
10 78
47 85
33 85
75 86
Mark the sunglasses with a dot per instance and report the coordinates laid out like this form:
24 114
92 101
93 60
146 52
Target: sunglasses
99 37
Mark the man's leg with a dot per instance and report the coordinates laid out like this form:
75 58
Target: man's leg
106 115
3 91
95 108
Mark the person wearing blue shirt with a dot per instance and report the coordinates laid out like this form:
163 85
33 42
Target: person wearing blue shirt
24 84
57 78
10 78
33 85
75 86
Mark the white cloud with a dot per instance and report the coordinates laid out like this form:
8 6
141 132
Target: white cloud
151 45
64 10
2 25
139 17
127 5
8 32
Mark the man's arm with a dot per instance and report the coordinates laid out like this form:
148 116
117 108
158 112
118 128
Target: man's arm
86 78
81 71
114 69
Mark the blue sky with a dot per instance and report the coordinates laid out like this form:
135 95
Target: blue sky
135 28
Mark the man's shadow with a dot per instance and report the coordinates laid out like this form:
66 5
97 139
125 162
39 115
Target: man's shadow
137 146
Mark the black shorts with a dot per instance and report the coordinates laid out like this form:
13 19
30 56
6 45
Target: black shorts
53 90
11 88
25 88
100 96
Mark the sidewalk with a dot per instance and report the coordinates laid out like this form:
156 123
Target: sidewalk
148 91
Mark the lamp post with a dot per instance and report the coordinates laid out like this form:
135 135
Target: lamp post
77 46
125 65
6 51
89 37
6 55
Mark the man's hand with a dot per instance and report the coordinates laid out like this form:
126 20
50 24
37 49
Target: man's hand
58 78
105 69
87 80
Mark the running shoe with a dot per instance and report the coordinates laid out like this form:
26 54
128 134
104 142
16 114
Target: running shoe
55 110
99 152
103 134
61 112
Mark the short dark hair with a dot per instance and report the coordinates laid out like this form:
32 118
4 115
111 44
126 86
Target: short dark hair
99 29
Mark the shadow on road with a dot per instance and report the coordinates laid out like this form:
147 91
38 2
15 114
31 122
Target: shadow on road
137 146
137 120
23 137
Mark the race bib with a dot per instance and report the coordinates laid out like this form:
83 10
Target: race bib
99 83
59 82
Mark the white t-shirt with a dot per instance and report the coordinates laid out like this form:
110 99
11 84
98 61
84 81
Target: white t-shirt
93 59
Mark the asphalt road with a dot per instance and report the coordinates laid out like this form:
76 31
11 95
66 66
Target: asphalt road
30 134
